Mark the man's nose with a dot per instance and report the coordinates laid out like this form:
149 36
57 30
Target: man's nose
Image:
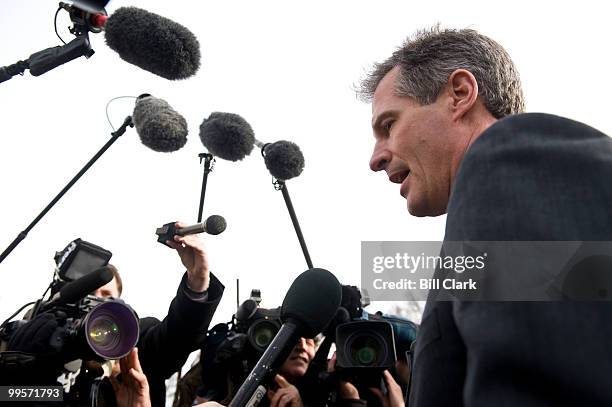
380 158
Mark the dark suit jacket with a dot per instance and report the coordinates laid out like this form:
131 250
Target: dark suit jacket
163 346
528 177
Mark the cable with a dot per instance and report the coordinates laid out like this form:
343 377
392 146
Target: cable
6 321
109 102
55 26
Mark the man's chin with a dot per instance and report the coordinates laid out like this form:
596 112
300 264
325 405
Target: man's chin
296 371
421 209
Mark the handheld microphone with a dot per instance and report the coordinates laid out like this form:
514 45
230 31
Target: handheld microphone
310 304
79 288
159 126
214 225
227 136
153 43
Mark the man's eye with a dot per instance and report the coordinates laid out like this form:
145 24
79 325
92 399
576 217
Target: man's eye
388 125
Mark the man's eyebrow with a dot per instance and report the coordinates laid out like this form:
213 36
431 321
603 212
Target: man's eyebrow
376 124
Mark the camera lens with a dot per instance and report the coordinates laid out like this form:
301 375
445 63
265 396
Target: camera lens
261 333
366 350
104 332
264 336
111 329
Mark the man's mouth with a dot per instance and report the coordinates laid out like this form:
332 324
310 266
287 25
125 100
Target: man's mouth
401 177
299 357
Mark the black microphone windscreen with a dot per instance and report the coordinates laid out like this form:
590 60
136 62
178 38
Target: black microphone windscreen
159 126
312 300
246 310
284 159
153 43
79 288
215 224
227 136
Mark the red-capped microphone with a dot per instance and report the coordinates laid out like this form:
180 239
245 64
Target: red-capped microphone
98 20
86 16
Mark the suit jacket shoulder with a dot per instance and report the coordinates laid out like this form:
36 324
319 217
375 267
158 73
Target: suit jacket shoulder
534 177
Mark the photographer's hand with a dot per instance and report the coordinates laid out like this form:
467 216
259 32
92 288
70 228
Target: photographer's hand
191 250
287 394
346 390
394 396
34 336
133 389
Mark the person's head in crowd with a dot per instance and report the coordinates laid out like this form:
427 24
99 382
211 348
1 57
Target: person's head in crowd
430 100
113 288
297 362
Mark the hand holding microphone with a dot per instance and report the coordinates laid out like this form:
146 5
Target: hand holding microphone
213 225
190 248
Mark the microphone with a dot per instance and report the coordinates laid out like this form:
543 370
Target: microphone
283 159
86 16
213 225
159 126
227 136
79 288
153 43
310 304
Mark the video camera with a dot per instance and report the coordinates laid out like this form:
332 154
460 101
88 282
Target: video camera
84 328
366 345
232 349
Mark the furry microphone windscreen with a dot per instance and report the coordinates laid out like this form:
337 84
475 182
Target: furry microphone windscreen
227 136
153 43
312 300
284 159
159 126
215 224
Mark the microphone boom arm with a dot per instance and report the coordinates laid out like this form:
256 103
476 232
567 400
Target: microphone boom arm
209 160
115 135
279 184
50 58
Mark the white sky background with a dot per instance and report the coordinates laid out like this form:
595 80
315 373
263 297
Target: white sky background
288 68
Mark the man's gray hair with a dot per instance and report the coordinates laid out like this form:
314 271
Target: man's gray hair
428 58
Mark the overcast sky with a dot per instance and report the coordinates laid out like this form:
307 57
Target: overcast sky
289 69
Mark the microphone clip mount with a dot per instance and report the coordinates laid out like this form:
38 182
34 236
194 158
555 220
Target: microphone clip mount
166 232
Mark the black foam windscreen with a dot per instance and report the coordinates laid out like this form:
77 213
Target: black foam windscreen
85 285
153 43
227 136
159 126
312 301
284 159
215 224
246 310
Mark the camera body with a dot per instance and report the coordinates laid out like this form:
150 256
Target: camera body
232 349
367 344
94 329
77 327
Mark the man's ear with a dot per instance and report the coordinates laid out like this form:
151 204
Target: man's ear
463 91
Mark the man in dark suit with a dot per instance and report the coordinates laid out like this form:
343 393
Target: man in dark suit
443 115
